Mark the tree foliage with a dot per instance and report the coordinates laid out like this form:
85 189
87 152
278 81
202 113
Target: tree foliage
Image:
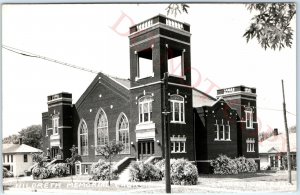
31 136
177 8
108 151
272 25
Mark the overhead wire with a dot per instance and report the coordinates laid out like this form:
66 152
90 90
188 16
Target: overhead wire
29 54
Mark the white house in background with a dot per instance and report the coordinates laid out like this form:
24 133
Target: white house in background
272 151
17 157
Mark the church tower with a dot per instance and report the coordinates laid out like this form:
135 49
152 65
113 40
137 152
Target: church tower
243 99
159 45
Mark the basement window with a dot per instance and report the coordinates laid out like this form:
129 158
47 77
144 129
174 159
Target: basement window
145 64
176 62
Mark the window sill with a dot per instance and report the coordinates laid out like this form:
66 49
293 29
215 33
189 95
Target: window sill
177 122
177 76
177 152
251 151
225 140
250 128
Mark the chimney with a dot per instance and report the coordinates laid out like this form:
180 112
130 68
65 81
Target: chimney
20 141
275 132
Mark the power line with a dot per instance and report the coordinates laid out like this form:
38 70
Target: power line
29 54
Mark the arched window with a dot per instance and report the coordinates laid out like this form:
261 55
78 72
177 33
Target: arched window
145 109
83 138
177 108
101 128
123 133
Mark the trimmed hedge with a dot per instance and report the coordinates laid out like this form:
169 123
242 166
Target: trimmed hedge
100 171
41 172
223 165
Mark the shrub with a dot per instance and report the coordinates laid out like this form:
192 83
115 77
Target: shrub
100 171
58 170
183 172
224 165
41 172
139 171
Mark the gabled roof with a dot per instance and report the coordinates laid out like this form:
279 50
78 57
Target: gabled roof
17 148
277 144
121 86
201 99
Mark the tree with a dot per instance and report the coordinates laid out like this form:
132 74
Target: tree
271 26
108 151
73 159
12 139
175 8
31 136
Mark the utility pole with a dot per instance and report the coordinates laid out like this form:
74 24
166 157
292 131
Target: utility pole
166 113
287 137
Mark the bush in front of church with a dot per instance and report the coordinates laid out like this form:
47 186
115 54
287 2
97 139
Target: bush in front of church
140 171
223 165
245 165
39 172
58 169
182 171
100 171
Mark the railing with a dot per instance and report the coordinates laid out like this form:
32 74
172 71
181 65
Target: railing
174 23
144 25
159 19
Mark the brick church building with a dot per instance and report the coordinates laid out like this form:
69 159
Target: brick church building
130 110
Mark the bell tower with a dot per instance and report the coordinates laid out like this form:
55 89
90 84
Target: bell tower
159 45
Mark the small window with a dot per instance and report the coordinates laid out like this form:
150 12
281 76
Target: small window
177 108
176 62
145 109
145 64
178 144
25 158
12 158
86 169
7 158
46 130
77 169
250 144
249 118
55 125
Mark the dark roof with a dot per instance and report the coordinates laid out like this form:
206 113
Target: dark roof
17 148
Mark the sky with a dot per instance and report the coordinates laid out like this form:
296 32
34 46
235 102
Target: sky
96 37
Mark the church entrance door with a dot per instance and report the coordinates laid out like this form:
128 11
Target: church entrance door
145 149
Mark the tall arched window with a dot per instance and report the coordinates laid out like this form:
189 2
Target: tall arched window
123 133
177 108
101 128
83 138
145 109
